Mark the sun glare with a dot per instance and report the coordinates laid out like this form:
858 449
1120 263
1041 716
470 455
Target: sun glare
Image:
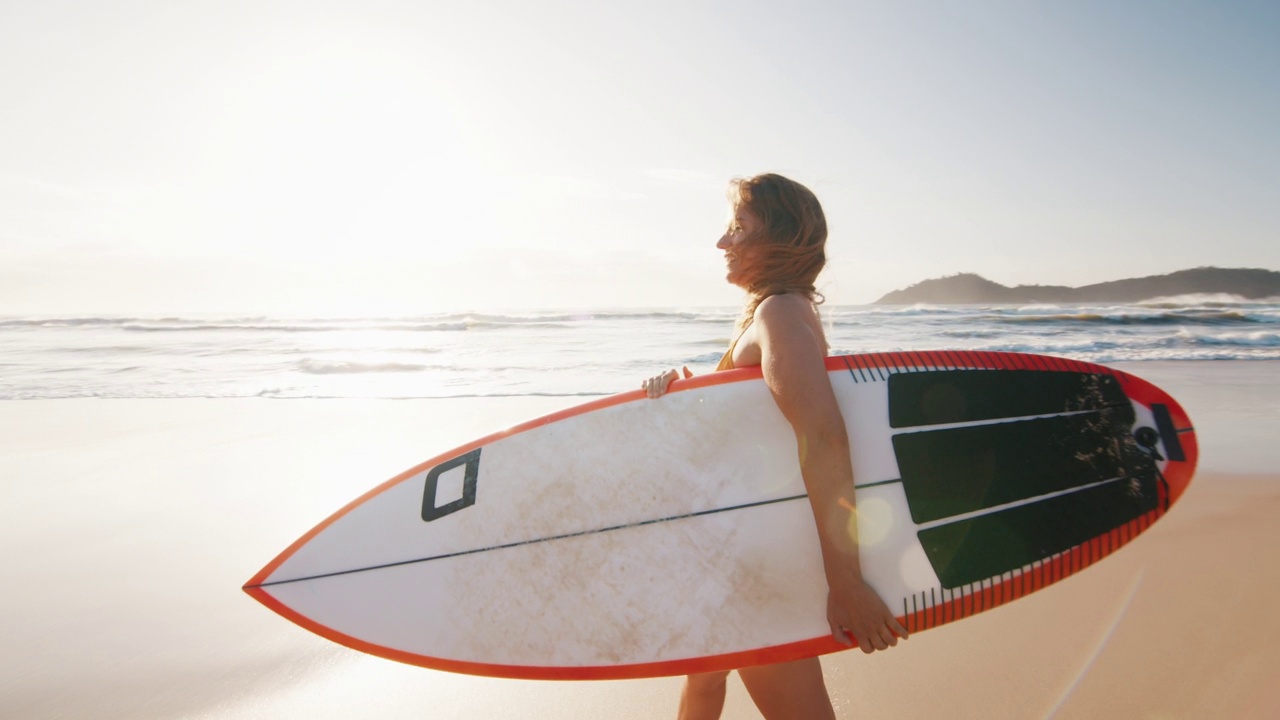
339 149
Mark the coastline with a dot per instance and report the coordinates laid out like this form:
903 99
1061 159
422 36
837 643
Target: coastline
129 526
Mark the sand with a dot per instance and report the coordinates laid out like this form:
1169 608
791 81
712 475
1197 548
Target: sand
127 528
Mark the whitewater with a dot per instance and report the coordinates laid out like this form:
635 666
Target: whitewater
565 353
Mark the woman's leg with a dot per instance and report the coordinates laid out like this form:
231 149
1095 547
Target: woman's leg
789 690
703 696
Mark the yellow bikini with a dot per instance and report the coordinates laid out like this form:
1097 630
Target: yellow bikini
726 361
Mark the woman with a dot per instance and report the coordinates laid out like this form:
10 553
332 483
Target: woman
774 249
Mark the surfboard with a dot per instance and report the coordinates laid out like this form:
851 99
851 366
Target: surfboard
629 537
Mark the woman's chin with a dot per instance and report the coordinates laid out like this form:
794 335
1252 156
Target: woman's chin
734 279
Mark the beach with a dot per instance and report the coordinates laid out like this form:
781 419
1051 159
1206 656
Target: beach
128 526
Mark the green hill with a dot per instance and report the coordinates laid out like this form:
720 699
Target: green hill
964 288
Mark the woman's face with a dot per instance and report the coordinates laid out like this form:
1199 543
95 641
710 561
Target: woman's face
737 243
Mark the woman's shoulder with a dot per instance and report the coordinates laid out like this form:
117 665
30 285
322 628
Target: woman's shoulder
791 319
785 307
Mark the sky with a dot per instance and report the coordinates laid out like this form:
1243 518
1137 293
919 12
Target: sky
407 157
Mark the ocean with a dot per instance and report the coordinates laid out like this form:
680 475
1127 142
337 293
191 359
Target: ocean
561 353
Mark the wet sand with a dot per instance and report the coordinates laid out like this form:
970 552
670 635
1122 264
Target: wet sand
127 528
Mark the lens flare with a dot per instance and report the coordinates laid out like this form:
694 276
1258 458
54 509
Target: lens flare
870 522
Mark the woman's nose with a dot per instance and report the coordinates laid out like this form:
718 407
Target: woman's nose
723 243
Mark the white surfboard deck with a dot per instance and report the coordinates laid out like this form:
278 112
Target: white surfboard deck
632 537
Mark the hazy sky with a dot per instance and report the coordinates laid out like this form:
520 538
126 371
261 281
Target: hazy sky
424 156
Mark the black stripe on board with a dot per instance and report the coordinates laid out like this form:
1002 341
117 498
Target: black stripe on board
953 396
875 371
961 470
1164 425
878 483
853 372
986 546
535 541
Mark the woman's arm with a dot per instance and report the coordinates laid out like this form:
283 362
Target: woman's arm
792 358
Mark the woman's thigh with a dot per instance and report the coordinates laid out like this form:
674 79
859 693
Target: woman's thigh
789 690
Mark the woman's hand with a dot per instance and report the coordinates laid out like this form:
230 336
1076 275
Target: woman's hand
858 615
656 386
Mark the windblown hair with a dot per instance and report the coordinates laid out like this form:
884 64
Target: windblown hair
791 245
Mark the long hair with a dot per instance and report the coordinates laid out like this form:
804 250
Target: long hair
790 248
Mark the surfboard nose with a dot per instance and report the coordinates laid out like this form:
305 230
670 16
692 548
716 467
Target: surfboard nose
1170 438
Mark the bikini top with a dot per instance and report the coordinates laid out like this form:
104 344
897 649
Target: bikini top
726 360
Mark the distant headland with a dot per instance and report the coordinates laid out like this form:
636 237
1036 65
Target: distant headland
967 288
